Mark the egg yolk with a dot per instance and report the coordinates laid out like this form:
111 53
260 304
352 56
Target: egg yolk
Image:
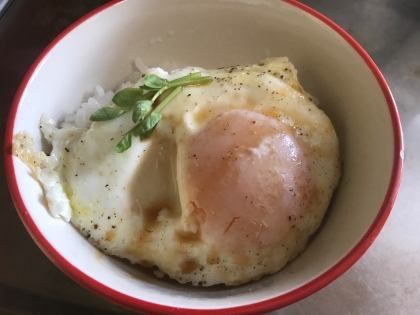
246 179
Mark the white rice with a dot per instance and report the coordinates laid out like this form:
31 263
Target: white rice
80 119
100 98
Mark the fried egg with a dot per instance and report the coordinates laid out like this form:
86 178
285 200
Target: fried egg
231 185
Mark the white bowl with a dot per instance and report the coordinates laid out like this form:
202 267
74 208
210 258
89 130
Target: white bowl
100 49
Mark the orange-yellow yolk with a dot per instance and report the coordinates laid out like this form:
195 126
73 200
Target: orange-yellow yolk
248 177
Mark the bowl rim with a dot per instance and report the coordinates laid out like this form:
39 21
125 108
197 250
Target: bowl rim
264 306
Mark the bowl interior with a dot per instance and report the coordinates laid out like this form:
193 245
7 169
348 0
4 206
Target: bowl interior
210 34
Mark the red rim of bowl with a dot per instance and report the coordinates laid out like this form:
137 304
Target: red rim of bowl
265 306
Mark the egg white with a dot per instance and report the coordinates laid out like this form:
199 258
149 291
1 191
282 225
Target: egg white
144 204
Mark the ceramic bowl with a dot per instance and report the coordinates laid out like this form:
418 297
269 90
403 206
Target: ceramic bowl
100 49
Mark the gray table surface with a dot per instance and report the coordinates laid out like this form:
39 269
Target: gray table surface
386 280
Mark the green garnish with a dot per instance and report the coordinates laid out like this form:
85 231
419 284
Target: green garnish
141 100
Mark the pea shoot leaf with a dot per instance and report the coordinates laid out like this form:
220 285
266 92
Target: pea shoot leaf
141 108
154 82
106 113
124 144
127 97
149 123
